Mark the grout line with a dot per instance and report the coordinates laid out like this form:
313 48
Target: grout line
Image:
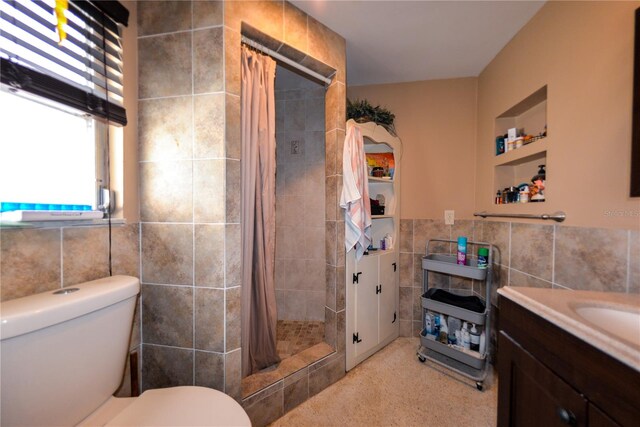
61 257
165 34
140 279
189 223
531 275
178 223
509 267
168 346
553 255
628 261
208 27
154 98
193 227
177 286
224 228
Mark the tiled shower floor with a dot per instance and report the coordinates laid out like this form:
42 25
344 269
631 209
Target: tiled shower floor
299 344
293 336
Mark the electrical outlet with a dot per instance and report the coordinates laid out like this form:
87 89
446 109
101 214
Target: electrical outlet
449 217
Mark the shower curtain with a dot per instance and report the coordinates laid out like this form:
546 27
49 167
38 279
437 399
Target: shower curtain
259 316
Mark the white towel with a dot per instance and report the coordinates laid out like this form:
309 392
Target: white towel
355 193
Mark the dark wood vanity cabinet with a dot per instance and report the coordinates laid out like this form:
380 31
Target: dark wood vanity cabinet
548 377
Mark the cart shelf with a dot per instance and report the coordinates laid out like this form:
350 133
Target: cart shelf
468 363
452 310
473 359
444 263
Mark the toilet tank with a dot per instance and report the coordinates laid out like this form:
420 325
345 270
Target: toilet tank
63 353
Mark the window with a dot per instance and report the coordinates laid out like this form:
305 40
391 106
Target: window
48 156
61 86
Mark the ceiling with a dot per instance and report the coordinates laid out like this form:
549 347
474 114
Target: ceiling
401 41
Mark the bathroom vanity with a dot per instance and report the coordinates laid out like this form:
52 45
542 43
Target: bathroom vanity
560 362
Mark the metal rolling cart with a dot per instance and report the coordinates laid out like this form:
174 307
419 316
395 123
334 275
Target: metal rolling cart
473 365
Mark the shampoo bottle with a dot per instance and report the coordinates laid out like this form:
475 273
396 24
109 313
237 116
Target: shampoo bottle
435 328
483 343
428 323
388 242
474 338
444 330
466 343
453 324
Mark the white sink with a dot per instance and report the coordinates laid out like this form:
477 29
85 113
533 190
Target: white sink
622 322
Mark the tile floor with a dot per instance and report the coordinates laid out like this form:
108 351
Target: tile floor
392 388
293 336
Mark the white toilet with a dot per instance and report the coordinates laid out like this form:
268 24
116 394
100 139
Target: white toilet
63 355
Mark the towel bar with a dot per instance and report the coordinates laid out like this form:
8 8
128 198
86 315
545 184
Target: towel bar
556 216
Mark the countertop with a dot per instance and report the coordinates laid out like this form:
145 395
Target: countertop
558 307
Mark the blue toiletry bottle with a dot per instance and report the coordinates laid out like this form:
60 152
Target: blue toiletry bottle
462 250
499 145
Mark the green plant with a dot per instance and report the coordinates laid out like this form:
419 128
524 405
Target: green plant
362 111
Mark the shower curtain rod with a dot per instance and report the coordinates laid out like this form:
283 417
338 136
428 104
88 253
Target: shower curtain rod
286 60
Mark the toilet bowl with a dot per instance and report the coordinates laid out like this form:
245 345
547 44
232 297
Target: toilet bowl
63 355
175 406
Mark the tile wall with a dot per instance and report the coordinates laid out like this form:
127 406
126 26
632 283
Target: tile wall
189 145
300 193
536 255
189 137
40 260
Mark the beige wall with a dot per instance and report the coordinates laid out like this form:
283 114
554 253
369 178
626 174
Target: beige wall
583 52
436 121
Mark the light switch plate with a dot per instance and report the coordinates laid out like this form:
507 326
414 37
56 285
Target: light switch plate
449 217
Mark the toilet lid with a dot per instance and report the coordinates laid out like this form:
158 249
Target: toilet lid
182 406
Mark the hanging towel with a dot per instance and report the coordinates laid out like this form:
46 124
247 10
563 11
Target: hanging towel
355 193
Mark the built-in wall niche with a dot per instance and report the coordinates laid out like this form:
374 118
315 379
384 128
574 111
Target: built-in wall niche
519 171
521 158
529 115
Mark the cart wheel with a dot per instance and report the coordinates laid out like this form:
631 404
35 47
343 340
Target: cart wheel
422 359
479 385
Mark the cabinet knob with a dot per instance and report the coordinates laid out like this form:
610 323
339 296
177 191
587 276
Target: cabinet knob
566 417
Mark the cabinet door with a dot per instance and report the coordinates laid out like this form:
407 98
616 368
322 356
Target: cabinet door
387 297
597 418
366 304
530 394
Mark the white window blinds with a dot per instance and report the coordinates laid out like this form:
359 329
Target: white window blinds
84 71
